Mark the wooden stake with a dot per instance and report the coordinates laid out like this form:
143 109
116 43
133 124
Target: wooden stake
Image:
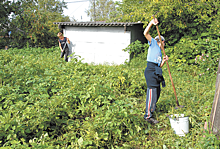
215 113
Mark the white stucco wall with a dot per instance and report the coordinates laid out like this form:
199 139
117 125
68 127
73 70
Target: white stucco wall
99 44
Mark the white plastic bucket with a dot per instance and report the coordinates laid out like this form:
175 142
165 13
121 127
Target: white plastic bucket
180 124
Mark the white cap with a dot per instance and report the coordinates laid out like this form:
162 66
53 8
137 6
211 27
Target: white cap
162 38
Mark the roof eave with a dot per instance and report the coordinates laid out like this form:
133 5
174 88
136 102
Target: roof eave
96 23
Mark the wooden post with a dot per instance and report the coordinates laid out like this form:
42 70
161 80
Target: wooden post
215 114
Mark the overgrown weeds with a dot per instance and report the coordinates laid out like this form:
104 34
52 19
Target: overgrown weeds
46 102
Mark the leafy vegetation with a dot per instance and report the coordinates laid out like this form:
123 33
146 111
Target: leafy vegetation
31 22
48 103
177 18
136 48
6 8
202 52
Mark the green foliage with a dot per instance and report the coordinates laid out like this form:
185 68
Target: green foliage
187 50
208 64
177 18
6 8
48 103
35 24
136 48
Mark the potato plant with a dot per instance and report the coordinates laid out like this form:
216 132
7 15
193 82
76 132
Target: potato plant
48 103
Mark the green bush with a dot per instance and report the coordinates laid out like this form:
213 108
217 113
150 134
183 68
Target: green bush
187 50
136 48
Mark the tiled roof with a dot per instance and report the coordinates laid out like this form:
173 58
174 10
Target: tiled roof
101 23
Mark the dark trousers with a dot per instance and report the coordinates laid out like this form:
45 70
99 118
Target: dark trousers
153 89
65 53
153 95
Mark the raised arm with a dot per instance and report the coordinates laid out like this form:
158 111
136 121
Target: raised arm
146 31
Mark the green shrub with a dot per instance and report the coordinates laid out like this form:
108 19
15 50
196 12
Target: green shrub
187 50
136 48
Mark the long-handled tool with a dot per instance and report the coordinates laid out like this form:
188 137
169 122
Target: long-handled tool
177 102
64 46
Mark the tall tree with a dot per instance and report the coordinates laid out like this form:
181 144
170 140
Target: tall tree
100 10
35 24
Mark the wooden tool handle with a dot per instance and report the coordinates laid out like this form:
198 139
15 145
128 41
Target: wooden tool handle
177 102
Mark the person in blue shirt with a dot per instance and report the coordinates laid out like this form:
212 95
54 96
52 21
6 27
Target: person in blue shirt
153 72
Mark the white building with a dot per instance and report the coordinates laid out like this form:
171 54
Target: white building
101 42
